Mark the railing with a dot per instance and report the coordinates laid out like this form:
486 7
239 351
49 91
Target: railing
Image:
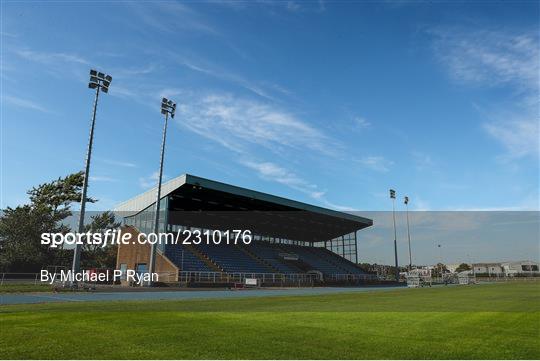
26 278
350 277
186 277
239 277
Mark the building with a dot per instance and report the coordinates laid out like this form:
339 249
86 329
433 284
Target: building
517 268
524 268
491 269
287 237
452 267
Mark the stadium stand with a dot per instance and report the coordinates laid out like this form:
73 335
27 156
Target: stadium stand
271 255
185 259
295 235
260 257
232 259
311 256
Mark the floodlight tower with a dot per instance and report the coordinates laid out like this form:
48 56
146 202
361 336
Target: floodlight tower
406 201
393 197
100 82
168 107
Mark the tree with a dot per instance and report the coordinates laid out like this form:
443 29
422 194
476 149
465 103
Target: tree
463 267
21 227
95 256
438 268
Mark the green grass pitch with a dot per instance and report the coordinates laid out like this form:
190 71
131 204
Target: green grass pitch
496 321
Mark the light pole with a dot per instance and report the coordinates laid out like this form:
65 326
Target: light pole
440 261
406 201
98 81
167 107
393 197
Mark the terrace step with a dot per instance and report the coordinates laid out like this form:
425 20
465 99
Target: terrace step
203 258
258 259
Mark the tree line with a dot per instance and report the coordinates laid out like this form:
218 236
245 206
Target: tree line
50 205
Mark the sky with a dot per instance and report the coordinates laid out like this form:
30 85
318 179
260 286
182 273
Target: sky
326 102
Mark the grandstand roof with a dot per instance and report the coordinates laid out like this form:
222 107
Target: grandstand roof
205 203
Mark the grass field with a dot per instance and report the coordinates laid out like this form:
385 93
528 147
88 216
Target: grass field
465 322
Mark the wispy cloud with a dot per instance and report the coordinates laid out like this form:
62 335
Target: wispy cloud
24 103
422 160
102 179
134 71
9 35
169 16
275 173
361 122
489 57
493 59
236 123
267 92
51 58
118 163
273 5
519 137
149 181
376 163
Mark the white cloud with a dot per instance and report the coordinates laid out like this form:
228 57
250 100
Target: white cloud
226 75
119 163
275 173
170 17
51 58
519 137
24 103
150 181
495 59
102 179
490 57
422 160
292 6
134 71
377 163
237 123
362 122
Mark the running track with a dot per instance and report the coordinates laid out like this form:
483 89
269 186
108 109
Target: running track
46 297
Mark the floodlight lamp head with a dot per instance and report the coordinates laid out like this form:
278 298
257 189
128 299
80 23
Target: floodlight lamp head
406 200
108 78
93 72
392 194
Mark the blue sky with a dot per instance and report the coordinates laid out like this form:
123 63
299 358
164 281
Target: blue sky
330 103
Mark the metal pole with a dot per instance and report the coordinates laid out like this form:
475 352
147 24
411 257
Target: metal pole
158 197
77 252
409 236
395 238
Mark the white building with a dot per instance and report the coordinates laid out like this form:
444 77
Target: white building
493 269
528 268
453 267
